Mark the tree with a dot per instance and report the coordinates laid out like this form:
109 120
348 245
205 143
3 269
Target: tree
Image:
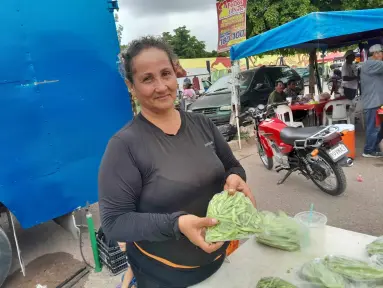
359 4
214 53
338 5
185 45
263 15
119 28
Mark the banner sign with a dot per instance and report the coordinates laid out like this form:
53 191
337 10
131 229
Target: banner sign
231 23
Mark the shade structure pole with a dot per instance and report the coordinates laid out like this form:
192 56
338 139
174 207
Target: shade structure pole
235 97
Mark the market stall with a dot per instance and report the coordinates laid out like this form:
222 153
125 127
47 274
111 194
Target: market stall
315 31
253 261
322 30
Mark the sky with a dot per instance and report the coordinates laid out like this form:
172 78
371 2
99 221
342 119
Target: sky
152 17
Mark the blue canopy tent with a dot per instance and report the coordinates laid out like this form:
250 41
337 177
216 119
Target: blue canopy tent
322 30
318 30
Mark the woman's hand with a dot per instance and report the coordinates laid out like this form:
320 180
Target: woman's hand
235 183
194 228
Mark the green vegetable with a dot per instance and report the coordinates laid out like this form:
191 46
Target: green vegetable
280 231
354 270
375 247
237 217
377 259
317 273
274 282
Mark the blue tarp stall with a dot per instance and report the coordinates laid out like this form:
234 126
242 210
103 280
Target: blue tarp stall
324 30
61 99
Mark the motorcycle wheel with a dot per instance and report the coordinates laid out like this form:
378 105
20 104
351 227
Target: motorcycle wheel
5 256
267 161
338 173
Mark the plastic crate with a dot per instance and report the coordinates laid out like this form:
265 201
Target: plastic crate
113 258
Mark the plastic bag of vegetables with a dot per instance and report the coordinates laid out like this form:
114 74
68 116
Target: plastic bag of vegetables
354 270
280 231
274 282
377 259
238 219
316 273
375 247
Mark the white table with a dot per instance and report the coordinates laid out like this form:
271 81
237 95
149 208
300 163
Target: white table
252 261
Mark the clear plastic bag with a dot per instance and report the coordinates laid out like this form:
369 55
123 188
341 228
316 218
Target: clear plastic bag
280 231
317 274
274 282
375 247
238 219
377 259
355 270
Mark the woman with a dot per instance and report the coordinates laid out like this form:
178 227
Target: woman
158 175
189 95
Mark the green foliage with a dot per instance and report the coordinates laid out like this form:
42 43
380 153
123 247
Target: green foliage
119 28
263 15
187 46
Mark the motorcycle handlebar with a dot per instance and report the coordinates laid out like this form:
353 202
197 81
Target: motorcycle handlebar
244 114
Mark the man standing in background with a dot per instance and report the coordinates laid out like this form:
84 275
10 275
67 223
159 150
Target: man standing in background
349 76
371 78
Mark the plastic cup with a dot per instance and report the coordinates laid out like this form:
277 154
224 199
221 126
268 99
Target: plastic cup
314 224
318 220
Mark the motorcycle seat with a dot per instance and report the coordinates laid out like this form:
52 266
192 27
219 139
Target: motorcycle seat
290 134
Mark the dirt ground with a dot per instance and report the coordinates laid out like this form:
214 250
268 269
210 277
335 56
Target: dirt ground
52 269
52 255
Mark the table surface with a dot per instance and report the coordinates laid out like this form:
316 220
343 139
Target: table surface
316 106
252 261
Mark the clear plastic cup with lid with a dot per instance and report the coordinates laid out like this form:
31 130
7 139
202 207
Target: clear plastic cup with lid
314 224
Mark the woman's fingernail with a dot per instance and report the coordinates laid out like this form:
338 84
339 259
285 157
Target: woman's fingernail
214 221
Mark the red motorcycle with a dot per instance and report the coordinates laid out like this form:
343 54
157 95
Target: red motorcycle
315 152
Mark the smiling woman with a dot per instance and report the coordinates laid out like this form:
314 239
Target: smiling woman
153 193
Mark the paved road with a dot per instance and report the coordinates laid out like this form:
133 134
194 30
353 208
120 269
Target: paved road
359 209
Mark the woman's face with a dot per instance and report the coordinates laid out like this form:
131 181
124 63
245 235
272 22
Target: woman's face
155 82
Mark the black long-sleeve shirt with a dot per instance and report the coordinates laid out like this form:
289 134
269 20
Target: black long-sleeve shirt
147 179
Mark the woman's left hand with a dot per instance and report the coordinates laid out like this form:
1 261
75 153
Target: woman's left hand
235 183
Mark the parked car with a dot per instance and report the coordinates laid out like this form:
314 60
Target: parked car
255 88
304 73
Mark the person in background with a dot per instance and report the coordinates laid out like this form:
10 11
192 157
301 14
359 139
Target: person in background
349 76
189 95
180 71
336 82
277 95
196 84
147 196
290 90
187 81
371 78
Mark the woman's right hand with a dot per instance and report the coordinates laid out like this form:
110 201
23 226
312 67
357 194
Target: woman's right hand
194 228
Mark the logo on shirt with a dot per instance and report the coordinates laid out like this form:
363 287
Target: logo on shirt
209 144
